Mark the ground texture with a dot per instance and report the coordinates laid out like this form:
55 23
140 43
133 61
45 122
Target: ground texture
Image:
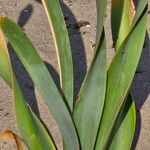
30 15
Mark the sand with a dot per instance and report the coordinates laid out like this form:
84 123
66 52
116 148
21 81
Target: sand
30 15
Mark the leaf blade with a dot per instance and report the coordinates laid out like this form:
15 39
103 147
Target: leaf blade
90 102
121 71
125 127
43 81
62 44
101 10
121 20
126 119
24 117
89 106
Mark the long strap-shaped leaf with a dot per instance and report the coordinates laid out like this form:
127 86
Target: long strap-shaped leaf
59 31
122 14
42 80
120 75
90 102
125 127
31 129
101 10
141 6
128 116
89 106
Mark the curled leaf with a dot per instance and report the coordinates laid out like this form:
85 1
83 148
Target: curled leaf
12 136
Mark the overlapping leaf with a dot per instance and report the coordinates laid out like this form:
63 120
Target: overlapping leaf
124 129
62 44
30 127
42 80
120 75
127 118
121 25
122 14
89 106
101 10
140 8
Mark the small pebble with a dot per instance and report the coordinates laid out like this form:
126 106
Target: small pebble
81 24
6 114
29 86
66 18
69 3
93 45
84 32
26 11
144 45
138 71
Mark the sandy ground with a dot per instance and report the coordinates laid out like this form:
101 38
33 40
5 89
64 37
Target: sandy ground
30 15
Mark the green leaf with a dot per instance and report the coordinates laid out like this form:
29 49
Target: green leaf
101 11
43 81
125 127
122 14
31 129
120 76
121 26
90 102
124 22
62 44
141 6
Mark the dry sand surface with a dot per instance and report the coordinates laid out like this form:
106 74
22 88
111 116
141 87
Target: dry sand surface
30 15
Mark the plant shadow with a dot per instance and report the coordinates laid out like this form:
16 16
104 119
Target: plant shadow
78 53
77 46
141 86
22 76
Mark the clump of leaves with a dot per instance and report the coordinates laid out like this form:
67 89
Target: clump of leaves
103 116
